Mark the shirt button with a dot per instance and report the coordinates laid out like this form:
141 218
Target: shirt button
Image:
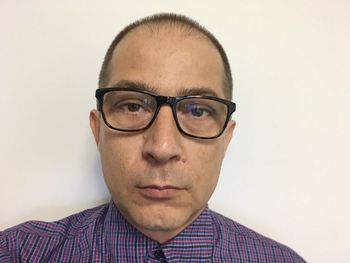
159 255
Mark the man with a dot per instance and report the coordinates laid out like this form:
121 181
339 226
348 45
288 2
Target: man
162 126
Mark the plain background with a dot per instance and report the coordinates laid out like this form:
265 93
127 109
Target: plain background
286 173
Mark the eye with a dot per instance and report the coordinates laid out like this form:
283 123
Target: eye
133 107
197 111
129 104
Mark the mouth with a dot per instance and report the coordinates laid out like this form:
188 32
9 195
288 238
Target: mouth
159 192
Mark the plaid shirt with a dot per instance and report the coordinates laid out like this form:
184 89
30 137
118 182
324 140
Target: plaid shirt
102 234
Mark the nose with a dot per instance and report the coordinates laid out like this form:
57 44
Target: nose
163 141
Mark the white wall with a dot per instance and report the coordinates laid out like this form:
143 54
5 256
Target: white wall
286 174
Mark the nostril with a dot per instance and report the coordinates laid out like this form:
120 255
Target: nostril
157 157
149 158
161 150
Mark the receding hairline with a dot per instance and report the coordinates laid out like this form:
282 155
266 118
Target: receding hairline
172 23
169 26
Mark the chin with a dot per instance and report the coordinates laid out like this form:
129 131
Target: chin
161 219
165 218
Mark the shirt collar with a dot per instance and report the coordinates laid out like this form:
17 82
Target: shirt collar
124 241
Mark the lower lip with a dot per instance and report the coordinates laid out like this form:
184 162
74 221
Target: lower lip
155 193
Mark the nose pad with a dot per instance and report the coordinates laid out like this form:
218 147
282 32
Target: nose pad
162 141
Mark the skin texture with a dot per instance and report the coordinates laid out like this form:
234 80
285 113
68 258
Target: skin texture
139 166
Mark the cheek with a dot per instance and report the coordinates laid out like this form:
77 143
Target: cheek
119 158
208 157
206 169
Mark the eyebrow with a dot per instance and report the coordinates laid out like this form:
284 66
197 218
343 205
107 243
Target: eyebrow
134 85
203 91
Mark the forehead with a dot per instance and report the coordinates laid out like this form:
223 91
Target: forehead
169 60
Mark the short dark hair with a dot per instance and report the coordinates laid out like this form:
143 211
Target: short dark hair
179 21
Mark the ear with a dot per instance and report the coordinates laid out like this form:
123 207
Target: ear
228 133
95 123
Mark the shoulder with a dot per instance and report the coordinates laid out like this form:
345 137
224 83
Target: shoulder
238 242
67 227
26 238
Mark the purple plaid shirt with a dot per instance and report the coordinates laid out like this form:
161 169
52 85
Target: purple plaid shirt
101 234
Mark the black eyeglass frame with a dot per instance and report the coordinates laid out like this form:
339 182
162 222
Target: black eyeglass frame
162 100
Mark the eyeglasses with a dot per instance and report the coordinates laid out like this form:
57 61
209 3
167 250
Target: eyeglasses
132 110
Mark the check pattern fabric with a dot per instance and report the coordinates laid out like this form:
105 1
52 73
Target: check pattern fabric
102 234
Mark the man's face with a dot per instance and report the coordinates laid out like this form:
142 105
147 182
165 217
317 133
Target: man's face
159 178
